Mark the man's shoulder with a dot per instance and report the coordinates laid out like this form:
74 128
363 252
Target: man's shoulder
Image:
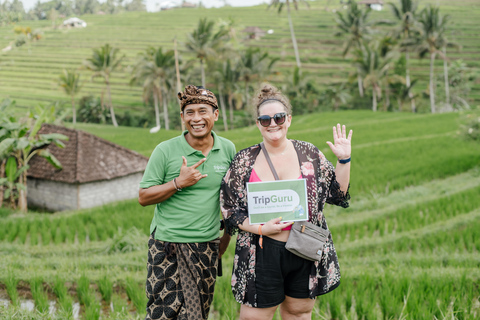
225 143
175 141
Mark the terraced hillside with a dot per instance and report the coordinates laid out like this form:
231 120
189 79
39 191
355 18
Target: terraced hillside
409 245
29 74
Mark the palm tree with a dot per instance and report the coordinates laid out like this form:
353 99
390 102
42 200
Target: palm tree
355 27
336 94
155 70
227 77
254 65
104 61
373 68
301 90
280 4
433 28
70 82
405 14
205 43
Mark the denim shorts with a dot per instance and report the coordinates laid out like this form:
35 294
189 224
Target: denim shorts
280 273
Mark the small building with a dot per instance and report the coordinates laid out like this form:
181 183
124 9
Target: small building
166 5
95 172
188 5
74 23
376 5
254 32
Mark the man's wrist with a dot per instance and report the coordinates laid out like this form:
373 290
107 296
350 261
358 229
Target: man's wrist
175 185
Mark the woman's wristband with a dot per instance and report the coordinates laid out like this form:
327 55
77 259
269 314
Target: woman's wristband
344 161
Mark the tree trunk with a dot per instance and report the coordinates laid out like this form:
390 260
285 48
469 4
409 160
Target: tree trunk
407 80
292 33
374 98
165 112
246 93
22 198
112 112
2 175
445 74
360 85
230 106
74 112
177 70
203 72
157 111
224 110
432 91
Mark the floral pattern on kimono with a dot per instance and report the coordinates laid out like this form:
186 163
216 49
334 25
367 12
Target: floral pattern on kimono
322 187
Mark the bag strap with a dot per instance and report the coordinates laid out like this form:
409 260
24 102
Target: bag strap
269 161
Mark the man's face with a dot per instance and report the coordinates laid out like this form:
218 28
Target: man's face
199 119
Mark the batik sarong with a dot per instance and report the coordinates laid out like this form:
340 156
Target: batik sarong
181 279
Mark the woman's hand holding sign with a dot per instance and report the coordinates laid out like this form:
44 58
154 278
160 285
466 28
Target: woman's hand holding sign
274 226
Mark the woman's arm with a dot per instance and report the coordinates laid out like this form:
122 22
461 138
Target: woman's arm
342 148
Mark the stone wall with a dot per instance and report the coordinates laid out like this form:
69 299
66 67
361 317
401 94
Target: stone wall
101 192
51 195
59 196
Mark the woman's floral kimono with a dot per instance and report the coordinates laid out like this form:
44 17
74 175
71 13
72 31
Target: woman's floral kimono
321 187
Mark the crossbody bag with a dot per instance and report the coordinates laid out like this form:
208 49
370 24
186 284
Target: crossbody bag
306 240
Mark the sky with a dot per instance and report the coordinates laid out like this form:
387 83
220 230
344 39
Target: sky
151 4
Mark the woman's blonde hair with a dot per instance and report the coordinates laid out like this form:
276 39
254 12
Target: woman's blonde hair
269 93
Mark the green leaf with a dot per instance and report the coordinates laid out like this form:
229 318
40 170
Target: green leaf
6 195
50 158
20 186
22 144
20 171
3 180
11 169
5 146
3 132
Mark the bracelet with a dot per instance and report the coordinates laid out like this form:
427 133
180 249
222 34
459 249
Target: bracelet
175 184
343 161
260 241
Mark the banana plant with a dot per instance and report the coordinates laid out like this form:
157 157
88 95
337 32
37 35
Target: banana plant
21 140
12 173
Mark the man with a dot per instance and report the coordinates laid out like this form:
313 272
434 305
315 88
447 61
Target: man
183 179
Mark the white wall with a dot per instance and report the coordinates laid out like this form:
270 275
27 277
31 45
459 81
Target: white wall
55 196
59 196
101 192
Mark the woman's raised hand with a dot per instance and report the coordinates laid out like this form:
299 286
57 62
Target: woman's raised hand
341 146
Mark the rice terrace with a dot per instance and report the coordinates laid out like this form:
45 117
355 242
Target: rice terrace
408 245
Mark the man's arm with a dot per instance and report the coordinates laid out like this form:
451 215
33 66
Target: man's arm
188 177
156 194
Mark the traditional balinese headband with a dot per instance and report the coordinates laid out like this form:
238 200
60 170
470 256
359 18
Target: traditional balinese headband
194 94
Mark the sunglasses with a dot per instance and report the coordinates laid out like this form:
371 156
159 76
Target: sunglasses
279 118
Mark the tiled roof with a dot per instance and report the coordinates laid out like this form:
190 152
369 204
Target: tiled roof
85 158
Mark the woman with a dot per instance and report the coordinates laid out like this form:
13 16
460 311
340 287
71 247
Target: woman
268 277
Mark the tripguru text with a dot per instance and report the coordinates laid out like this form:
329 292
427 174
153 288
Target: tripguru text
273 199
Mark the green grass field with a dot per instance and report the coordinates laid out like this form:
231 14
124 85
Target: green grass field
408 245
29 74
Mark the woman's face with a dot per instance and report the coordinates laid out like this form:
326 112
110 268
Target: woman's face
273 132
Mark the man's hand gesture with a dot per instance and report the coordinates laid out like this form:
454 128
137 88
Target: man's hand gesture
189 175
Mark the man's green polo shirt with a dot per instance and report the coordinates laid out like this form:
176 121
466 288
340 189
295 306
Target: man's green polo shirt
190 215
